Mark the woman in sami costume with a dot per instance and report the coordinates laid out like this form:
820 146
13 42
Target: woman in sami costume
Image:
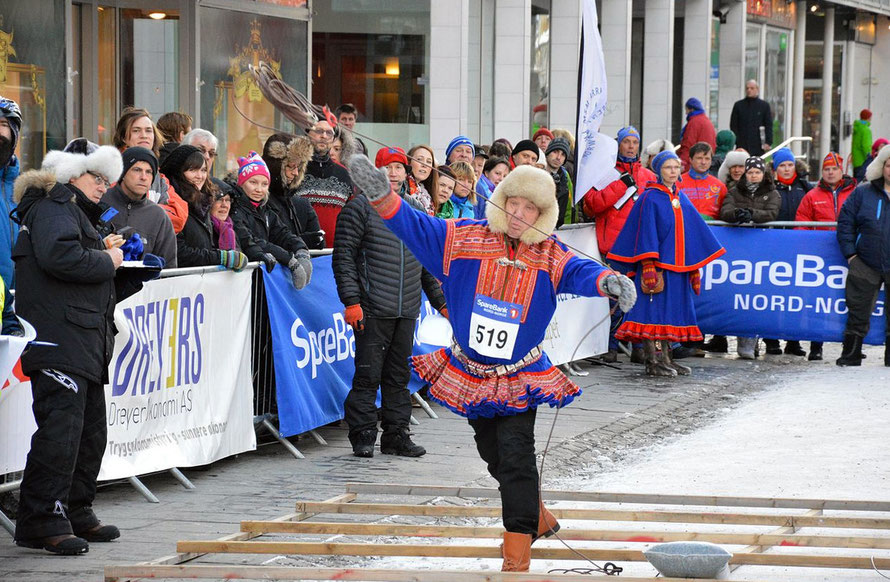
665 242
500 277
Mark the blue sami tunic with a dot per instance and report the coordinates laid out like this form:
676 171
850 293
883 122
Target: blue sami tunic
469 260
664 227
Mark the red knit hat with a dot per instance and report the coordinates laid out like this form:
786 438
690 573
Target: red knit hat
865 114
542 131
832 160
386 156
252 165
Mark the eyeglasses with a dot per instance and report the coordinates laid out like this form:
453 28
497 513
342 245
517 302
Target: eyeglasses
99 179
210 153
323 132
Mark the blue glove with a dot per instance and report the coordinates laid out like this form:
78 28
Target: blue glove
133 248
150 260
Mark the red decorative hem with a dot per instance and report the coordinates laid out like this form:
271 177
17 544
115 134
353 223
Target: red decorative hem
474 397
637 332
388 205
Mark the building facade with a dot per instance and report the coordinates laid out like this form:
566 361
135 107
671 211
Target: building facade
422 71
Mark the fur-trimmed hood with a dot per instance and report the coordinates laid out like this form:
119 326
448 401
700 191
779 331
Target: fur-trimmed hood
282 150
876 168
104 160
533 184
653 149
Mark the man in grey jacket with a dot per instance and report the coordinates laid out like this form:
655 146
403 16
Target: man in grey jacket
136 210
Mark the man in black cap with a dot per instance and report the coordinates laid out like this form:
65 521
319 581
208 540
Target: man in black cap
556 155
525 153
130 198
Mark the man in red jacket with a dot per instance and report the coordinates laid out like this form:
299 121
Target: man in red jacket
823 204
698 128
611 205
705 191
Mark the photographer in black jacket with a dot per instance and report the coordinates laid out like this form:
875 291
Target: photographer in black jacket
65 274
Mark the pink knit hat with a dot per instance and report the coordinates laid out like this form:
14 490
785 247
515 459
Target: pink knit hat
252 165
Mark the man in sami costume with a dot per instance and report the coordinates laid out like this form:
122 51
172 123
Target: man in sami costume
500 277
665 242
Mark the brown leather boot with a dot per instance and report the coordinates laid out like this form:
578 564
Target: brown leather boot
517 552
670 362
654 365
547 524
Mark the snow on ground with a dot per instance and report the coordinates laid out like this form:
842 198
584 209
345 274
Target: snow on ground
823 435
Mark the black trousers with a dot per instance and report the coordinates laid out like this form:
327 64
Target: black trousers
381 360
59 483
863 284
507 444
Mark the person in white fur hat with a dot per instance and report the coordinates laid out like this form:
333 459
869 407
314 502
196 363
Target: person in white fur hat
500 277
66 289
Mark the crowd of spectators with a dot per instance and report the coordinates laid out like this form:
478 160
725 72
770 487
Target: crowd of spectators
165 204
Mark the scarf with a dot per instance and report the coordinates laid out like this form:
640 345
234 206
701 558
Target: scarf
463 207
698 175
446 211
689 116
787 181
416 190
225 232
752 186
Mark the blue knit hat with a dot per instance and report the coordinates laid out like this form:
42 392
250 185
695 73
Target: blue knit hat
629 131
694 103
782 155
459 140
659 160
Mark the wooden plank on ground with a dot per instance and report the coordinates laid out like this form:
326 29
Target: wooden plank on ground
641 498
778 520
461 551
753 549
369 575
775 538
180 558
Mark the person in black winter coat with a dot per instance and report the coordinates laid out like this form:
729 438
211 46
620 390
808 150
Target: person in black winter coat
752 121
863 233
196 245
65 273
286 157
379 282
261 234
789 184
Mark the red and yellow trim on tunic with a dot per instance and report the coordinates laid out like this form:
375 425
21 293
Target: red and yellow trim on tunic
505 282
387 206
689 268
474 397
637 332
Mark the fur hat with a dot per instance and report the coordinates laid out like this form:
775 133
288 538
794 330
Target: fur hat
733 158
281 150
653 149
81 156
534 185
876 168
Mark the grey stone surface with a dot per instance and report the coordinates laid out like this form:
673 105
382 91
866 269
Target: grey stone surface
621 410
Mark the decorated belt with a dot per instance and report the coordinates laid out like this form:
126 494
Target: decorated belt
484 371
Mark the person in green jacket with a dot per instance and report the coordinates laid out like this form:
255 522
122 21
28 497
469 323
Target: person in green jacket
861 139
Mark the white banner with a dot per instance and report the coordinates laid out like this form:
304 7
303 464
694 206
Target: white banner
580 327
16 422
596 152
180 391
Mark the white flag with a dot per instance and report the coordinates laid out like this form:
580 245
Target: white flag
596 152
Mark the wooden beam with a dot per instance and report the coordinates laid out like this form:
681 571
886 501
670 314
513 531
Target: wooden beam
180 558
369 575
458 551
757 548
776 538
777 520
642 498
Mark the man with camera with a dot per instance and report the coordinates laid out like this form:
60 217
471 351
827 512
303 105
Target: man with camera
136 212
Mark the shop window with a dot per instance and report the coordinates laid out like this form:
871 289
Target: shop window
149 49
539 89
32 58
775 80
232 106
813 99
378 73
752 52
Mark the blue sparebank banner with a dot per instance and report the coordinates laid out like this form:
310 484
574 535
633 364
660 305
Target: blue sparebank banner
781 284
313 348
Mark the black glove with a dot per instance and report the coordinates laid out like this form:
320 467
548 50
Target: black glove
269 261
627 179
743 215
